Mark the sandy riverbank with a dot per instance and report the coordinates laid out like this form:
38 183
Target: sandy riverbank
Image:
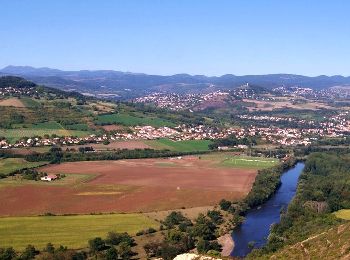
227 244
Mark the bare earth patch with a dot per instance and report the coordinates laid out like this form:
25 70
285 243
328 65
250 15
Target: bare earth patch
227 244
11 102
272 105
132 144
112 127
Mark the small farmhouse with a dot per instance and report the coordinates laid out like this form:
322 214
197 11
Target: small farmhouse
50 177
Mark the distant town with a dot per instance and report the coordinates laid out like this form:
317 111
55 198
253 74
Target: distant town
337 126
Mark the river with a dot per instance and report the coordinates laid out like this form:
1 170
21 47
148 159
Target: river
256 226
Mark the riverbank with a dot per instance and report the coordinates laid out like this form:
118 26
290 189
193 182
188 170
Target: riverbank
258 220
227 244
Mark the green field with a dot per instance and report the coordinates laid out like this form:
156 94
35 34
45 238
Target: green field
69 179
130 120
29 102
47 125
343 214
71 231
79 127
12 164
249 162
14 135
180 146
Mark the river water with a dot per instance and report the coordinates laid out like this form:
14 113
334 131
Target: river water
256 226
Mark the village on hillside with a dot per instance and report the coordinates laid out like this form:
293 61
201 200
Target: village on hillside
337 126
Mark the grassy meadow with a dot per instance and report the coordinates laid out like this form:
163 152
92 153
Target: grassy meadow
71 231
227 159
29 102
12 164
14 135
40 129
249 162
180 146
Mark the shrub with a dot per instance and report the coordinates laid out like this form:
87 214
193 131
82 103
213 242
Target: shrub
140 233
114 238
174 218
111 254
96 244
7 253
225 204
49 248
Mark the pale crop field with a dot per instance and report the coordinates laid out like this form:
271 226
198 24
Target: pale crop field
343 214
249 162
71 231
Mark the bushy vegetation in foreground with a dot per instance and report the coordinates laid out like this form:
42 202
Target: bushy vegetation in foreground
183 235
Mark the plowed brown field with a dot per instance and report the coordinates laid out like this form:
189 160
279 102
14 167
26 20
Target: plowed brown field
129 186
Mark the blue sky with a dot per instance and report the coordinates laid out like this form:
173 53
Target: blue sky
309 37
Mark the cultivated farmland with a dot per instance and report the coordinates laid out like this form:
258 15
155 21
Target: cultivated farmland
129 144
180 146
40 129
71 231
130 186
249 162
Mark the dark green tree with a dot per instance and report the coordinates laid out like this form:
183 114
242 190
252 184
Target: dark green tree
49 248
29 253
111 254
125 251
7 253
96 244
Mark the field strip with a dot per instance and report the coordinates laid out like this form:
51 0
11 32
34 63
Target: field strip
71 231
97 193
250 160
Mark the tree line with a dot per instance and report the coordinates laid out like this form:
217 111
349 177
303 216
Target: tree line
57 155
115 246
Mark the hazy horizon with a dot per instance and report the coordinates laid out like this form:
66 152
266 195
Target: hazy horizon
183 73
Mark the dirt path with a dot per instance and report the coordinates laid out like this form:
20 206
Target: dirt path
227 244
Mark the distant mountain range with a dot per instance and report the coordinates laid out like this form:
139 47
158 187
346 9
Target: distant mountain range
127 85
